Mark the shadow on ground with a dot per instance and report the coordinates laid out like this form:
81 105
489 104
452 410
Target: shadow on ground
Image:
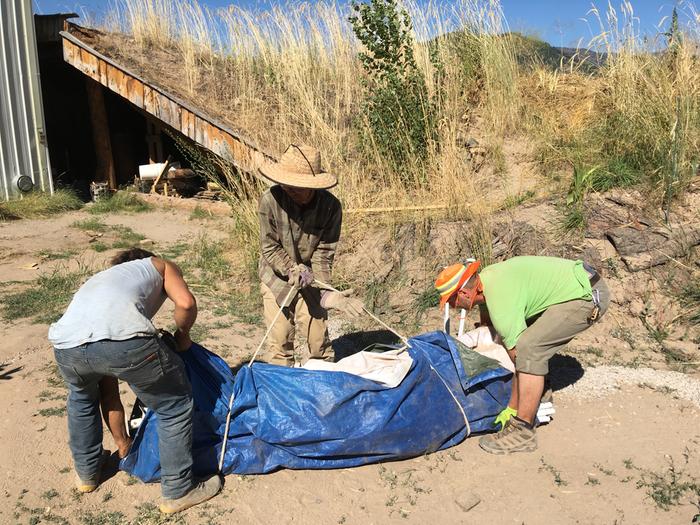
564 370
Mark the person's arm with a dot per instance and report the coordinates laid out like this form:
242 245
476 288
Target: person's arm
484 318
324 254
270 244
185 304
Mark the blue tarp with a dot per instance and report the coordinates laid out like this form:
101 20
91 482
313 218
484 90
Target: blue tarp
309 419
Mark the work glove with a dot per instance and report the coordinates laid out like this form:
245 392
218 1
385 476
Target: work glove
300 275
343 302
504 417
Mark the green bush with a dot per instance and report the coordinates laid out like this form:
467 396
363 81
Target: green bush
38 204
398 118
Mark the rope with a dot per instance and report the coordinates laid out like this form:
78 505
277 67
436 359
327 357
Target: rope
329 287
290 295
228 422
459 405
284 304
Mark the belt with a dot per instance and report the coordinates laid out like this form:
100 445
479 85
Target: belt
593 274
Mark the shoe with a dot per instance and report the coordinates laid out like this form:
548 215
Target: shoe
90 485
200 493
516 436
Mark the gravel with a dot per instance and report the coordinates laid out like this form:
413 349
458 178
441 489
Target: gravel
605 380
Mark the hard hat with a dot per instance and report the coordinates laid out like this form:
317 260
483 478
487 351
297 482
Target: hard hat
453 278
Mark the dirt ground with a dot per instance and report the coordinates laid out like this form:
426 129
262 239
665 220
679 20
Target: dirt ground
628 453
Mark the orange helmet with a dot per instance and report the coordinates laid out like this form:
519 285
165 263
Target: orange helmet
453 278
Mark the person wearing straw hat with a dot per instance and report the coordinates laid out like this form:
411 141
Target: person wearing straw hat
299 229
537 305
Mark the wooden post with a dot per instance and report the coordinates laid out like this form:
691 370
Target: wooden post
155 144
100 134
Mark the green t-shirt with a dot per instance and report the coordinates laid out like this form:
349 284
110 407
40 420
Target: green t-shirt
522 287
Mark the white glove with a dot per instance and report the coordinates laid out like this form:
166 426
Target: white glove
343 302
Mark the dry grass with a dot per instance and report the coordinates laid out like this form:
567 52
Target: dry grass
291 74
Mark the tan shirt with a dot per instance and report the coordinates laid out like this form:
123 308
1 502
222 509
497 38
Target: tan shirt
291 234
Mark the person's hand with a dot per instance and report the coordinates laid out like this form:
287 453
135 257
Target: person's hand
300 275
183 341
504 417
344 302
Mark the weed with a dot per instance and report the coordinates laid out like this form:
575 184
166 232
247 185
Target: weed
126 237
628 463
668 487
75 494
54 411
391 500
149 514
120 202
427 299
592 480
131 480
102 517
690 298
663 389
200 213
558 480
55 256
45 299
47 395
92 224
99 247
242 306
38 204
604 470
207 257
107 496
64 470
175 251
50 494
574 219
513 201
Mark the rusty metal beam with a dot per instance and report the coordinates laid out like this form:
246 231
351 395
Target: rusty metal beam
169 109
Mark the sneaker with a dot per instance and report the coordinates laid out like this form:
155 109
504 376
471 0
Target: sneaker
517 436
200 493
85 486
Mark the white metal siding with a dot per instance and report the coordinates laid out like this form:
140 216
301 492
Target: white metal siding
23 146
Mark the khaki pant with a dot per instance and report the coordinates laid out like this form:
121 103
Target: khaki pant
553 330
304 312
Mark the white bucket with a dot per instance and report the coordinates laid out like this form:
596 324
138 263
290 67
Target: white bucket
151 171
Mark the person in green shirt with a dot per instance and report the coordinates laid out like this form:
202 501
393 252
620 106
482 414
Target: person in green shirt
537 305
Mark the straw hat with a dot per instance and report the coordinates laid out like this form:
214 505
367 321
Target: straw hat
453 278
300 167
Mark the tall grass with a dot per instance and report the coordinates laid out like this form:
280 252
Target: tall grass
636 119
38 205
291 74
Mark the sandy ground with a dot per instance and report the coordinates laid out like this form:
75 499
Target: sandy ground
598 462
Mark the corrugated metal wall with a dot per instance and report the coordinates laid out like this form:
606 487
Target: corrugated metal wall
23 146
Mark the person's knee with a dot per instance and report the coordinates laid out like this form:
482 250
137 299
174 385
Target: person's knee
531 358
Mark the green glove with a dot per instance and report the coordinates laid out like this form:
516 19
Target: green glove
504 417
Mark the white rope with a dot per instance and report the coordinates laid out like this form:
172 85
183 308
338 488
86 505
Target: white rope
459 405
284 304
329 287
225 441
286 301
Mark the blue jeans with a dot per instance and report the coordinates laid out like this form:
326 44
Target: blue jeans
157 376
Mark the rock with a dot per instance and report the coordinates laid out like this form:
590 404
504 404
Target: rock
146 243
468 501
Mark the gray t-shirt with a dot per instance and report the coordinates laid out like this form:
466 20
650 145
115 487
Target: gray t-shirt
115 304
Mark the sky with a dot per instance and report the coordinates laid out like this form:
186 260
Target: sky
566 23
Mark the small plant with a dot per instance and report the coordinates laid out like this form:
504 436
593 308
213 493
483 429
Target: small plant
690 297
54 411
92 224
120 202
38 204
669 486
44 299
50 494
558 480
199 213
